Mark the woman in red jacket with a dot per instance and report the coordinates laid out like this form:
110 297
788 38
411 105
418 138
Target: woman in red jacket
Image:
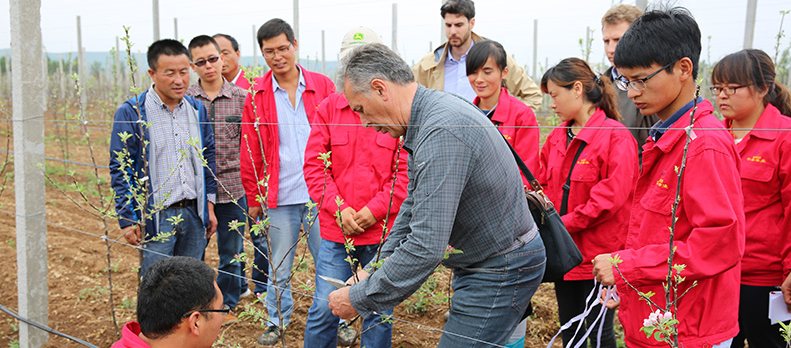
487 70
754 105
595 157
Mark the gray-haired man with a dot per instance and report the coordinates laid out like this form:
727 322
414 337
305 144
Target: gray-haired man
484 215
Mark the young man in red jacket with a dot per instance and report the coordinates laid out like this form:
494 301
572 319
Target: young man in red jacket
274 136
658 62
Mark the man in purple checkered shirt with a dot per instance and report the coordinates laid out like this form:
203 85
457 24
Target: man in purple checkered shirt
224 103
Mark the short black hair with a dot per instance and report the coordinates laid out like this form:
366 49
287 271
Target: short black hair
462 7
272 28
172 287
480 53
200 41
230 38
168 47
660 36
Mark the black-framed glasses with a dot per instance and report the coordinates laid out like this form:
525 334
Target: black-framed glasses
729 91
211 60
280 51
225 310
638 85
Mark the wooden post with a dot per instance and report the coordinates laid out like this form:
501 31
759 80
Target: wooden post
28 115
749 25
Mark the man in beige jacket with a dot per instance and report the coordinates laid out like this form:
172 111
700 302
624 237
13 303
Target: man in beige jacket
445 68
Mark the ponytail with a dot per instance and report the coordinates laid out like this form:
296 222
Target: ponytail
780 98
598 91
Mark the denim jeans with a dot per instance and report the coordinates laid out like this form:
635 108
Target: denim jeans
189 238
260 273
229 244
489 298
321 328
285 222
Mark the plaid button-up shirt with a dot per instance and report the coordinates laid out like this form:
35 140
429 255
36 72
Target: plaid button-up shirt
225 113
464 190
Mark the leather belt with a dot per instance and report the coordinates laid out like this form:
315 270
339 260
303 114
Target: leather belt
183 204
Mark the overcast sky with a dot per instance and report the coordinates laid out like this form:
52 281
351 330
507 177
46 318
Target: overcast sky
561 23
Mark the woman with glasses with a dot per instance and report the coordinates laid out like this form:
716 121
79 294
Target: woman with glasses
753 105
487 71
588 169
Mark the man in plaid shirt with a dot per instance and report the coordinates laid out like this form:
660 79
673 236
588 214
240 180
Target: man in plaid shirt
224 103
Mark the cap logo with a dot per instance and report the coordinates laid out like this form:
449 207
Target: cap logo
358 36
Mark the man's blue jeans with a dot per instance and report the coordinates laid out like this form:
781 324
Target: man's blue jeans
321 328
489 298
189 238
229 244
285 222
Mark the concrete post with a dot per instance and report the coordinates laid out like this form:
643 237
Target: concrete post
155 4
296 23
45 73
119 69
8 74
176 29
642 4
323 60
256 49
394 44
535 50
28 115
81 65
749 25
61 78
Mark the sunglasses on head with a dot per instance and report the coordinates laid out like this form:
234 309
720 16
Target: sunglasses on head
202 62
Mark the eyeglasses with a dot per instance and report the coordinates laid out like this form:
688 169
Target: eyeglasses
202 62
715 90
638 85
280 51
225 309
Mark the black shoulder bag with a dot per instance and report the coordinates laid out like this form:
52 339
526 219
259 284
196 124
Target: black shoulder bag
562 253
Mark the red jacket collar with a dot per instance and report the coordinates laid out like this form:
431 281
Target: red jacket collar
503 108
704 109
263 84
767 126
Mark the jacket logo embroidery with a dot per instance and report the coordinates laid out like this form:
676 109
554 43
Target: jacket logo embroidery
507 137
756 158
661 182
583 160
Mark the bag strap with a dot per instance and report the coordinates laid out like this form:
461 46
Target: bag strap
567 186
523 168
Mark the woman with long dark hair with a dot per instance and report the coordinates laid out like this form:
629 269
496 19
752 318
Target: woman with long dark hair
589 167
756 109
487 70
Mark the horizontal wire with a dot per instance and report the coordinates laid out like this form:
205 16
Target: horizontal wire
245 278
64 161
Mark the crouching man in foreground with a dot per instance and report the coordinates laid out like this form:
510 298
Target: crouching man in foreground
464 191
178 305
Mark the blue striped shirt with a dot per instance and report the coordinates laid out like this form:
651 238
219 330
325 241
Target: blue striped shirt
171 131
293 130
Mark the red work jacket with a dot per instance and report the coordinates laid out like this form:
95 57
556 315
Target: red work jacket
517 122
709 234
361 173
130 337
602 183
766 183
242 82
317 87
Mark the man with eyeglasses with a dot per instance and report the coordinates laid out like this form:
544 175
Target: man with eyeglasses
178 305
158 169
224 103
613 25
657 60
274 137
